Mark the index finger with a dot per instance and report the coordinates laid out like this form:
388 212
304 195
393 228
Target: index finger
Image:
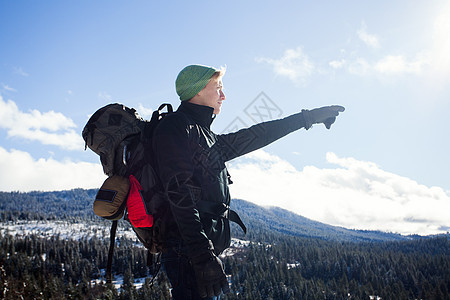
337 108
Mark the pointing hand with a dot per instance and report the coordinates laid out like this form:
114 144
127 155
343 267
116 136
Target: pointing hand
326 115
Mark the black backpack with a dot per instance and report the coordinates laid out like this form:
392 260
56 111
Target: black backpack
123 140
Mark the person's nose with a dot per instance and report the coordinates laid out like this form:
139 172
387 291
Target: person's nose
222 95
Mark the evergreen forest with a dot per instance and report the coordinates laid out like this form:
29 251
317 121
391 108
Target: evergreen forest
268 264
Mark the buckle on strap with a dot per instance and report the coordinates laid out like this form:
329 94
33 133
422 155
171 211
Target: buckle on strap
221 210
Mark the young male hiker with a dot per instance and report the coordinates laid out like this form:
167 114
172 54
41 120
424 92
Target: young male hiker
190 160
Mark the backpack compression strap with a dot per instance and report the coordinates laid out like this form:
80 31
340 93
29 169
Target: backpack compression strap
221 210
234 217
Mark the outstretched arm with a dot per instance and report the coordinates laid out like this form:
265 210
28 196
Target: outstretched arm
257 136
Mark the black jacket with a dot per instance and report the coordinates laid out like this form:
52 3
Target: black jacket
190 160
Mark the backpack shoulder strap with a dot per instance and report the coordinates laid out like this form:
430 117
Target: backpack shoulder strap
111 252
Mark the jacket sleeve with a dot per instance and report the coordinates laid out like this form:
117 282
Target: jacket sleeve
257 136
175 167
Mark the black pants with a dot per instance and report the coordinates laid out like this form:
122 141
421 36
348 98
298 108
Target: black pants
175 263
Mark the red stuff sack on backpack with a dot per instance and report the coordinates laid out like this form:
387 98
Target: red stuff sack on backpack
135 205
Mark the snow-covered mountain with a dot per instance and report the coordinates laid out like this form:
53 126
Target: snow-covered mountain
67 206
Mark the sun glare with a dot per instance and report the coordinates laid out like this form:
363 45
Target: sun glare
441 45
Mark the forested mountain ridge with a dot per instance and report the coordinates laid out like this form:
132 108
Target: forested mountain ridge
78 203
285 257
275 219
58 204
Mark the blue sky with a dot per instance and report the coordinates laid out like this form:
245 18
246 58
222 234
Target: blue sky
383 165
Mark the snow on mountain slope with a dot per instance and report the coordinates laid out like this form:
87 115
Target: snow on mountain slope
65 229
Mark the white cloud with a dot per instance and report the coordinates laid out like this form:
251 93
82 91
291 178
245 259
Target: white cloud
337 64
431 63
294 64
49 128
105 96
359 67
389 65
370 40
21 172
144 112
357 194
8 88
21 72
398 64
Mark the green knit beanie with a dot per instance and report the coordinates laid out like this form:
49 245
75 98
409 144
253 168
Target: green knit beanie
192 79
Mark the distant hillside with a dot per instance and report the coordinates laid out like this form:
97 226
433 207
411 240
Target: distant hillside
259 220
60 204
275 219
